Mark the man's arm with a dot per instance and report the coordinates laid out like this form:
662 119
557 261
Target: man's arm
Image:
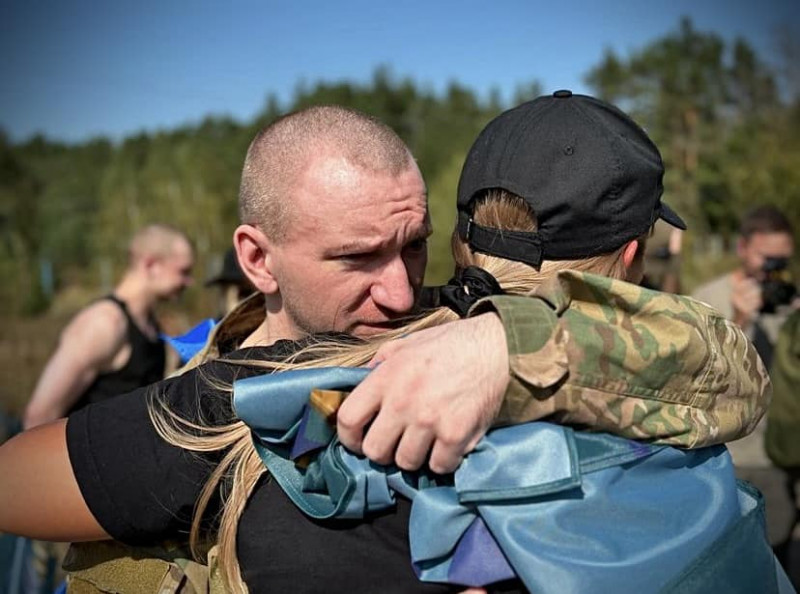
438 391
40 497
87 346
589 352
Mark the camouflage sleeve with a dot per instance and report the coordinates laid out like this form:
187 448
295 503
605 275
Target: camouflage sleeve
605 355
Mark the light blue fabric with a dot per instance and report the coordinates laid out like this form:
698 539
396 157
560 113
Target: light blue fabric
571 512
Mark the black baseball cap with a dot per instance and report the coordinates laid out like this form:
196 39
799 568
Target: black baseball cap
591 175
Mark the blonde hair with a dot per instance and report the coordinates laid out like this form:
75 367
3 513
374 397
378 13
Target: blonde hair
239 471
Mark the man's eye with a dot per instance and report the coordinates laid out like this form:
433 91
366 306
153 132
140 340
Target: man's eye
361 257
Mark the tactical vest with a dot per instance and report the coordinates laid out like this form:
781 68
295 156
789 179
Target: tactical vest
109 567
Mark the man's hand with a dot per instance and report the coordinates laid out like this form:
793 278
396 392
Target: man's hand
435 391
746 300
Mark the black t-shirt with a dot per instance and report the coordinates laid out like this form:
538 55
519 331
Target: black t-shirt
143 490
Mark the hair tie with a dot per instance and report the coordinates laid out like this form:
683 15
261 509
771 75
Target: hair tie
465 289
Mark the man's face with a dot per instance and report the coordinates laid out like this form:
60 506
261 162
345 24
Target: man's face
355 252
759 246
173 273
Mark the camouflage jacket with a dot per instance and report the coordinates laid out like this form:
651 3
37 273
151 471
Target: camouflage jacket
606 355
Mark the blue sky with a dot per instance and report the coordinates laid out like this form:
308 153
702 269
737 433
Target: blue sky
73 69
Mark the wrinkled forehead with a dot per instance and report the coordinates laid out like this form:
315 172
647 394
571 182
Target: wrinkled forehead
340 195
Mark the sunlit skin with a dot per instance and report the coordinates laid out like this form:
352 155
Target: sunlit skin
355 254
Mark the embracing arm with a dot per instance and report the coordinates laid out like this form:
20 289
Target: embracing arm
642 364
87 346
39 496
586 351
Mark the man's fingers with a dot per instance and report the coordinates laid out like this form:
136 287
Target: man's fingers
381 440
445 458
450 447
412 451
356 412
448 451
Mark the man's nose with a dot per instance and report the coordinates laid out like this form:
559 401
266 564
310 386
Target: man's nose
392 290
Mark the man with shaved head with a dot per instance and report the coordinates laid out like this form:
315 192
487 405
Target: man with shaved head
112 346
334 235
334 224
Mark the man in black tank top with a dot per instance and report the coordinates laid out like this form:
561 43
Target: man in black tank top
145 364
112 346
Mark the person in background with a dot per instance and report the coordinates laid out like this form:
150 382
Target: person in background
758 296
232 287
782 438
112 346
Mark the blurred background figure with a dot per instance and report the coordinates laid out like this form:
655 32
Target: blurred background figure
231 284
783 418
110 347
760 295
113 346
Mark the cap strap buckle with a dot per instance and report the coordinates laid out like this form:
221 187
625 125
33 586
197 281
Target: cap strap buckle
522 246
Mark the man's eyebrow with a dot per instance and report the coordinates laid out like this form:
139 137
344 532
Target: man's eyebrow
358 246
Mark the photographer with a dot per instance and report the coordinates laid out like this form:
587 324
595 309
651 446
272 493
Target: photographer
759 296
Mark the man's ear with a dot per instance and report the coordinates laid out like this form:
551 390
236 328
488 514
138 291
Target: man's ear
150 263
255 256
629 253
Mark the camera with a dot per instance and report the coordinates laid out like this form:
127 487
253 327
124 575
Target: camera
777 287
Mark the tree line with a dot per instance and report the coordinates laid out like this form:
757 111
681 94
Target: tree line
727 124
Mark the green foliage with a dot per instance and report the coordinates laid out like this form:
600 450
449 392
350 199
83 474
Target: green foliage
442 199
